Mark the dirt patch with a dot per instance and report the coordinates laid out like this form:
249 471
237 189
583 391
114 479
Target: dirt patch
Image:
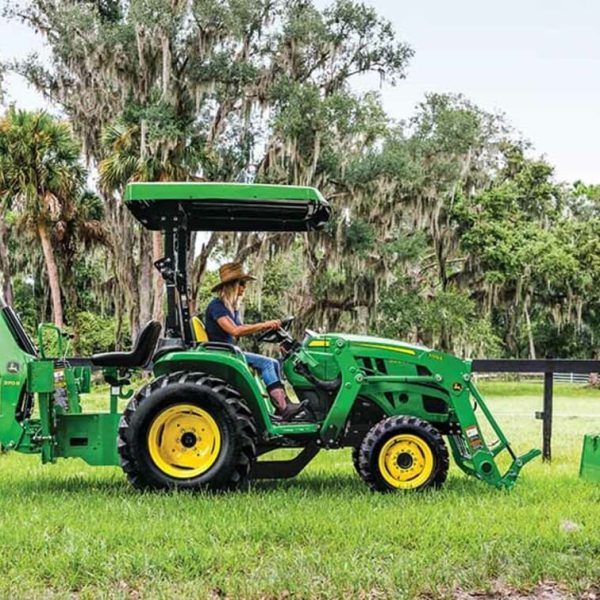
547 590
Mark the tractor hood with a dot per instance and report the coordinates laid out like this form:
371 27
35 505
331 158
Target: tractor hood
366 342
227 206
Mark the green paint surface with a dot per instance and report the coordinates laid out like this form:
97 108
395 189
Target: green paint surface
590 458
219 191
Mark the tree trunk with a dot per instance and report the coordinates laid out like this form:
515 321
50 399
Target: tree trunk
145 282
199 267
7 292
529 330
70 290
441 259
57 309
159 286
127 253
119 323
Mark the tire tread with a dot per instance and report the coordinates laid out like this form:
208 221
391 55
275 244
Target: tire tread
362 456
243 419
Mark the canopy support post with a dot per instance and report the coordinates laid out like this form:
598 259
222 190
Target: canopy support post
164 265
173 268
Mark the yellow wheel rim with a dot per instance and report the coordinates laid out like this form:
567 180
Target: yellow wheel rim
184 441
406 461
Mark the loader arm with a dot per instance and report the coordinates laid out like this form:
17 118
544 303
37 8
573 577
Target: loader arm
443 376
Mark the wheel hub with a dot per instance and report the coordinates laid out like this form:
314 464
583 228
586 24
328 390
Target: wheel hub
405 460
188 439
184 441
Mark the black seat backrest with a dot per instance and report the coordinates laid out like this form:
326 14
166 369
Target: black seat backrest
146 342
140 354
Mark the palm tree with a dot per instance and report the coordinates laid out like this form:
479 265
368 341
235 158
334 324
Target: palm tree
41 180
133 153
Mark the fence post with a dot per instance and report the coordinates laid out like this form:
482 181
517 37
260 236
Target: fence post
547 417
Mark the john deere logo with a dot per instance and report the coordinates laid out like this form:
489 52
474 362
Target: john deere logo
457 387
13 367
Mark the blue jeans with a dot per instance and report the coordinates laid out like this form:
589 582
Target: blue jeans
268 367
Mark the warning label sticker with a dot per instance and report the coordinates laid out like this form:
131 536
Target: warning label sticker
473 437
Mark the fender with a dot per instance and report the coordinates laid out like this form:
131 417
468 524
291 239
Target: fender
228 365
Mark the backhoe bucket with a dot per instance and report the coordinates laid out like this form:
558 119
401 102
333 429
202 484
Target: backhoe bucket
590 458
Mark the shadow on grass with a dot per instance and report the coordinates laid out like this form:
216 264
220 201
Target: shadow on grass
350 485
311 484
345 483
66 485
322 483
314 484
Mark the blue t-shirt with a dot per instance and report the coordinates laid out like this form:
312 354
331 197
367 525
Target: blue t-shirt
214 311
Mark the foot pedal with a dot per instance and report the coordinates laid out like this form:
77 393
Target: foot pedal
303 416
306 414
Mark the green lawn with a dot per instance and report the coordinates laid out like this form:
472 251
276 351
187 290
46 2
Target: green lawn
75 531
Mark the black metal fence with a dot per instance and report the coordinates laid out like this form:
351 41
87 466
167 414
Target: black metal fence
547 366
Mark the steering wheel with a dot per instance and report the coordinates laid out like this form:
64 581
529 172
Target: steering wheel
276 335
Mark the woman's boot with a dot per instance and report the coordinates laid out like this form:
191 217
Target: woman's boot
283 407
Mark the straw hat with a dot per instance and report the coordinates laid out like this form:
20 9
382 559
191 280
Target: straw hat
232 272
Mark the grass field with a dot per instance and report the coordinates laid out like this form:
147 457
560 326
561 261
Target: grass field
69 530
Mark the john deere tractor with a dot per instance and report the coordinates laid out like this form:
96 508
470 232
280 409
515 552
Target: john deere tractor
205 419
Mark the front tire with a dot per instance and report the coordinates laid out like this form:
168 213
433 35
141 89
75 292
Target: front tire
187 431
402 453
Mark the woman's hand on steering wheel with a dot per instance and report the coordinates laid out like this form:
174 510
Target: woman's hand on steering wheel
269 333
273 324
275 330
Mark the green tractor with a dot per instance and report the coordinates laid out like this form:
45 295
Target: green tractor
204 419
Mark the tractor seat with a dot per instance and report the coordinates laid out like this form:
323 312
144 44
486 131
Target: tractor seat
199 330
140 354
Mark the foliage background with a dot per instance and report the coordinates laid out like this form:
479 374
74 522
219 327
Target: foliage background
448 230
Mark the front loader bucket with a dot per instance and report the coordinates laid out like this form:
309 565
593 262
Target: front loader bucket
590 458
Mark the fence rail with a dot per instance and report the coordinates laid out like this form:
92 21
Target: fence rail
549 367
579 378
575 378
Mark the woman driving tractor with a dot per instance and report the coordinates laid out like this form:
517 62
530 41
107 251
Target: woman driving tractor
223 324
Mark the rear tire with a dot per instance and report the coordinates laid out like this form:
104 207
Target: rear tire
402 453
187 431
